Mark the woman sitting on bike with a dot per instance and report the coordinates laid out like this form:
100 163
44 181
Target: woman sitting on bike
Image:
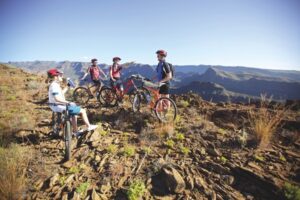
115 74
94 70
58 102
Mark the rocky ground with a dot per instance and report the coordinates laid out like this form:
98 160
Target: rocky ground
208 153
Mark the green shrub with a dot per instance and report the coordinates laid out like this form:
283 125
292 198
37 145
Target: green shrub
180 136
112 148
136 190
185 150
129 151
291 192
82 188
170 143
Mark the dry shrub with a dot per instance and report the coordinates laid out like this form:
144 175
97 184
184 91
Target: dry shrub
13 163
264 121
166 129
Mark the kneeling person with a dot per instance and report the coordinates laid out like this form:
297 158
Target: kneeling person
57 96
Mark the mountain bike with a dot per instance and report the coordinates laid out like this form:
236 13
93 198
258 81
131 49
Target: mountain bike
83 94
62 121
112 95
164 108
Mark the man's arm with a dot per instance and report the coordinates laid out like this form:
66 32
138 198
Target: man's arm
102 72
65 90
168 73
110 73
59 99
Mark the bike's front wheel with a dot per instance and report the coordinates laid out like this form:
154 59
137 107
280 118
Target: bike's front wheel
68 140
81 95
108 97
165 110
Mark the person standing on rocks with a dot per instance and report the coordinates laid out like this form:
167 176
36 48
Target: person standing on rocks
164 73
115 74
95 71
58 102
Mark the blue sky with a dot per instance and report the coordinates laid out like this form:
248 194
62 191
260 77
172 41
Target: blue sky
255 33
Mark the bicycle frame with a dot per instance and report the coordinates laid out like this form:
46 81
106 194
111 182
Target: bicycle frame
128 84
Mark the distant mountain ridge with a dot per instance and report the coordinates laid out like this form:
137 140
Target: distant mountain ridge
235 83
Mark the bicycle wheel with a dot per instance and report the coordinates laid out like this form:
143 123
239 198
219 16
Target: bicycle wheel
68 140
56 120
108 96
99 98
81 95
136 102
165 109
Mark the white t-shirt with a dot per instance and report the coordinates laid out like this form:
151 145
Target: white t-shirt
55 90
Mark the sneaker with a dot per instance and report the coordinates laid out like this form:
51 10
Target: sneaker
78 133
92 127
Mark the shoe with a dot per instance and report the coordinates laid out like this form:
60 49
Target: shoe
92 127
78 133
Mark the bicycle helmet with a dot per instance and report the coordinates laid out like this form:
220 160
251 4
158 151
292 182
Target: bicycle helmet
53 72
162 53
116 58
94 60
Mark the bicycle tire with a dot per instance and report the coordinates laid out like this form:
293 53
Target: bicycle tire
81 95
68 140
109 96
99 98
158 114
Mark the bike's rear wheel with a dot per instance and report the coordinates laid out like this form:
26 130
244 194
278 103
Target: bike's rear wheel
68 140
81 95
165 110
108 97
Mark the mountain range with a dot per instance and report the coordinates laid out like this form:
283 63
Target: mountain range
216 83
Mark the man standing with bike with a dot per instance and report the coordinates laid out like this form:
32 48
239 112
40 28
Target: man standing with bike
58 102
164 73
115 74
94 70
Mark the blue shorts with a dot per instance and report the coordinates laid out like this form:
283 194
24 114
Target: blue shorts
74 110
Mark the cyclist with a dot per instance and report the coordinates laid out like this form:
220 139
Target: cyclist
94 70
57 96
164 73
115 74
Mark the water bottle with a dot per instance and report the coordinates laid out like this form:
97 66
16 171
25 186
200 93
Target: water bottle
71 83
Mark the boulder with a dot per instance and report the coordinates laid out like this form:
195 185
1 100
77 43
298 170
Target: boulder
173 180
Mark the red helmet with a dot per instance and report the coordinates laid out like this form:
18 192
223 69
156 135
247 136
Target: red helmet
162 53
94 60
116 58
54 72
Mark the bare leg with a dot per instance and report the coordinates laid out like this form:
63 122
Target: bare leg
84 117
74 123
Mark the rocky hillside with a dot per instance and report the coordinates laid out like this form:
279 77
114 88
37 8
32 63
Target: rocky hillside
210 152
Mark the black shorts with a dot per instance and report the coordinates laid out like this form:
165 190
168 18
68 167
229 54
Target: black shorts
97 82
164 89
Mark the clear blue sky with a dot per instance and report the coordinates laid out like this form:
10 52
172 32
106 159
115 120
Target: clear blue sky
256 33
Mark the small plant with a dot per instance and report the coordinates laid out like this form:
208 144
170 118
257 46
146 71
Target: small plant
82 188
185 150
112 148
170 143
291 192
282 158
259 158
223 159
222 131
146 150
180 136
62 180
103 132
136 190
178 119
74 170
129 151
184 103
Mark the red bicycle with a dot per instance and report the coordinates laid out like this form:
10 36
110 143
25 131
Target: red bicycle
113 95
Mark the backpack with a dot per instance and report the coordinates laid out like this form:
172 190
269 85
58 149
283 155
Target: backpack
171 69
95 73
